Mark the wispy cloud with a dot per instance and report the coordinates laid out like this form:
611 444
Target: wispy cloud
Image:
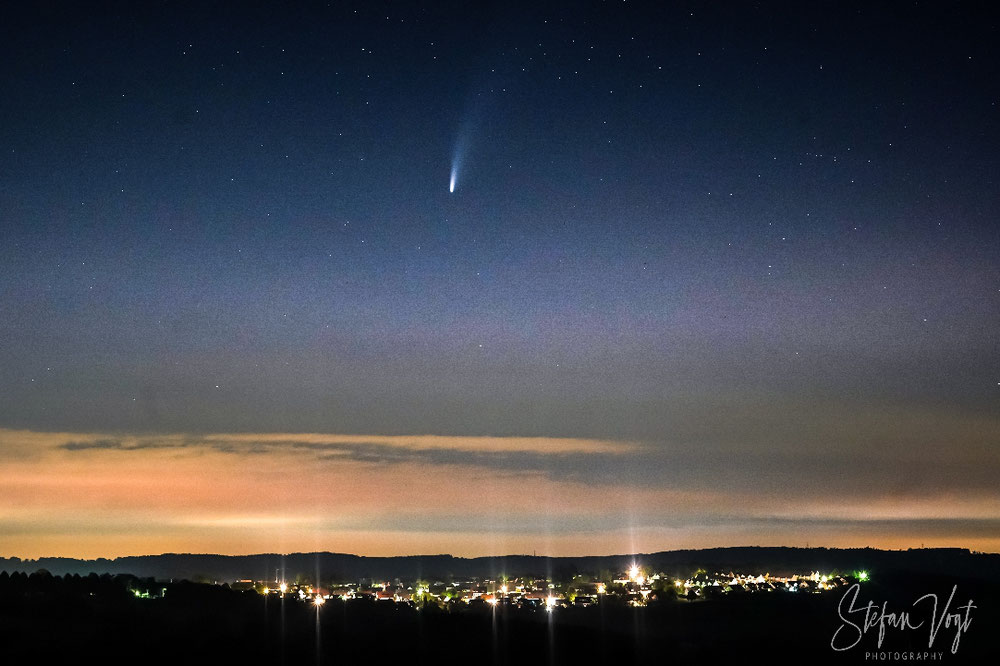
256 442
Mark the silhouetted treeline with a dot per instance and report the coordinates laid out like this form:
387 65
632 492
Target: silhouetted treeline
112 619
343 567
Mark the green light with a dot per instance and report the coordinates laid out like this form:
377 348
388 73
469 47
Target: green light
862 576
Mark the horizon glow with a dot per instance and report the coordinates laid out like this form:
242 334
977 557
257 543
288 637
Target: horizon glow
242 493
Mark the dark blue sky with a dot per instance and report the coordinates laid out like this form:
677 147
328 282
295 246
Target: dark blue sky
746 229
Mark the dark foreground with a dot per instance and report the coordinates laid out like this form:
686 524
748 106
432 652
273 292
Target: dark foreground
70 620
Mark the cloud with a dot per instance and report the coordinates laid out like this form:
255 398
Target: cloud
94 444
257 442
834 475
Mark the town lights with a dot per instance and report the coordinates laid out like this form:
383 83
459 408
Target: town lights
283 588
633 573
319 601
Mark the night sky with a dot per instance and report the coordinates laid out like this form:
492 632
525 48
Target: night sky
710 274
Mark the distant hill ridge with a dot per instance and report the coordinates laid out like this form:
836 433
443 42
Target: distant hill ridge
328 566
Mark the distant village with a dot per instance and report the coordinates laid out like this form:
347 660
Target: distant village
635 587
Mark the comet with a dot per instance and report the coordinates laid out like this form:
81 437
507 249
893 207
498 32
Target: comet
458 156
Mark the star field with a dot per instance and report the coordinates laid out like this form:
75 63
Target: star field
759 233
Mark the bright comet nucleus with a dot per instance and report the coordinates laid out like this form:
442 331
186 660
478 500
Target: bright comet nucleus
451 184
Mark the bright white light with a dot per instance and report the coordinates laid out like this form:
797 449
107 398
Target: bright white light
319 601
451 184
633 573
283 588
